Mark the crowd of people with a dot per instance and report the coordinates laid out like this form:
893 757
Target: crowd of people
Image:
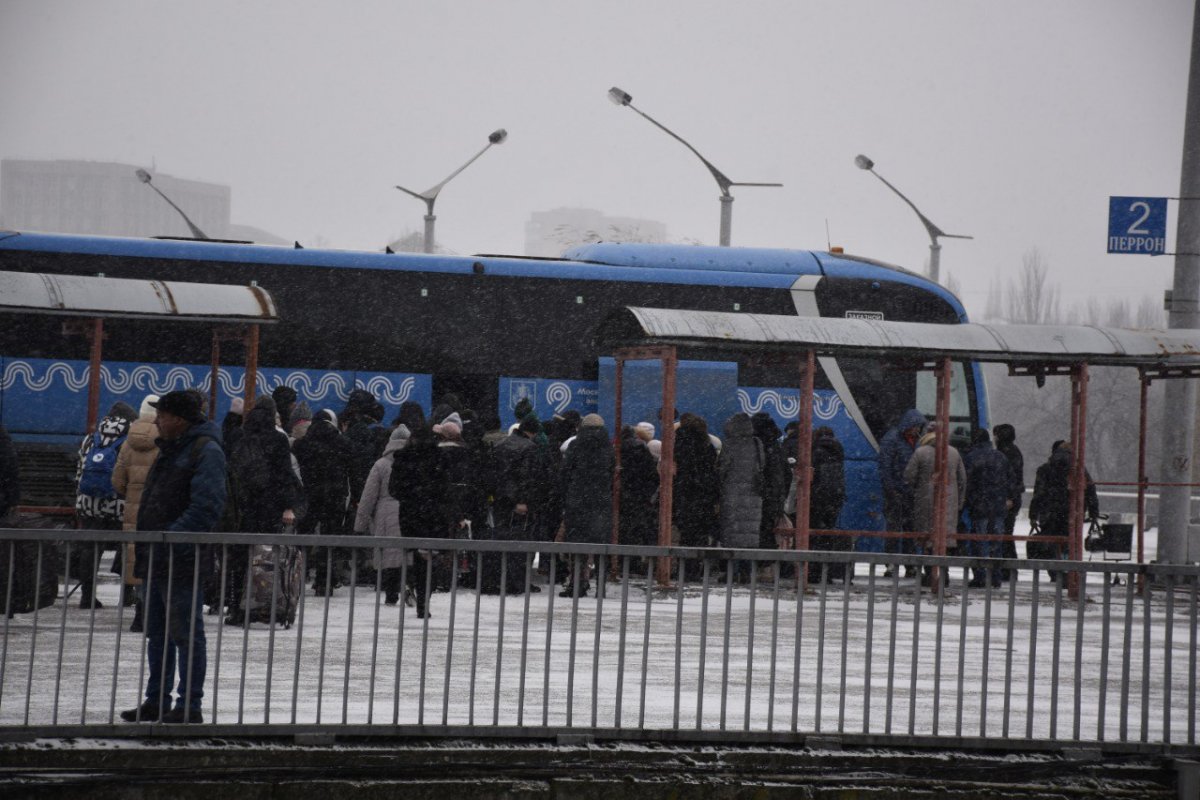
278 466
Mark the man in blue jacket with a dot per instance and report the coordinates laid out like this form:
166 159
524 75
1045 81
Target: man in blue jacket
895 449
185 491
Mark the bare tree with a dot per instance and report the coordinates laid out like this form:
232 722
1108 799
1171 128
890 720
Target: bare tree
1032 299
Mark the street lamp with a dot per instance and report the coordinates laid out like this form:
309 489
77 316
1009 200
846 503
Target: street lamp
623 98
430 195
935 233
144 177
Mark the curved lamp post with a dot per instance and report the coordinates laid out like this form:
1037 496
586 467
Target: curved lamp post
430 195
623 98
935 233
144 177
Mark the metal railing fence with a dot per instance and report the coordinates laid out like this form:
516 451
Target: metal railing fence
735 648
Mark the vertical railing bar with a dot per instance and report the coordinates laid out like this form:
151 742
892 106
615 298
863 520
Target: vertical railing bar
197 608
37 594
112 697
245 605
916 650
501 624
1126 656
475 638
964 611
525 639
646 643
845 645
987 641
571 647
220 606
276 552
1192 666
601 576
621 641
1146 593
750 643
303 558
1081 603
164 680
145 648
450 636
819 697
678 639
1104 646
774 646
705 575
8 587
1056 649
1168 639
549 632
1008 650
937 653
798 568
725 642
87 659
378 556
427 600
1033 640
405 555
891 671
868 648
349 636
62 627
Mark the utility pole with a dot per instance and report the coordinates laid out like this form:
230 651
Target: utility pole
1179 418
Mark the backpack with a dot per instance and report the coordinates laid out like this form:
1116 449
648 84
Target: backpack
250 470
96 478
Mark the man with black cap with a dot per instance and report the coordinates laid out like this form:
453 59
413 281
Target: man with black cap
184 492
284 397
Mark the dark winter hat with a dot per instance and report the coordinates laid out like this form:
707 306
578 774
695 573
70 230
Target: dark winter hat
979 436
360 401
531 425
123 410
411 414
440 412
267 402
284 395
184 404
523 408
1005 433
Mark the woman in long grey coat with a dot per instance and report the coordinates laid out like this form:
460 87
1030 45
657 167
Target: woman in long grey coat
379 515
919 476
740 471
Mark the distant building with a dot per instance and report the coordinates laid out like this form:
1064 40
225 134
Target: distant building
549 233
107 199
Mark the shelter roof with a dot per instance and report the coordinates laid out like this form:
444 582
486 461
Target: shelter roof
1031 344
87 296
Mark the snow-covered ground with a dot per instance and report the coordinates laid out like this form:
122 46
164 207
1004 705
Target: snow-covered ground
509 661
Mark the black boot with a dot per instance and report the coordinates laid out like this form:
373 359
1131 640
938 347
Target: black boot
129 596
136 625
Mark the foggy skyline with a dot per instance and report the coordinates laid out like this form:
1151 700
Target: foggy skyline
1009 122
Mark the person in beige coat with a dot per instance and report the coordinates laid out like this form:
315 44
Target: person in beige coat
379 515
919 476
134 460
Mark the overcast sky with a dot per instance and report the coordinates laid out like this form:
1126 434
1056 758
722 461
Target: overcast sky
1009 121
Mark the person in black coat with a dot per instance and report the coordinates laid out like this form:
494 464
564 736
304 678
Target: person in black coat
587 474
1050 507
10 479
697 489
324 458
267 491
1005 437
418 484
231 425
827 495
988 486
774 485
639 484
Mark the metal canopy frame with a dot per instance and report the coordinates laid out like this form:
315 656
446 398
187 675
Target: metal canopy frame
234 312
640 333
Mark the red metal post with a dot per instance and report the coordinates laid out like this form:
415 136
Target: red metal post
666 466
96 335
1079 379
251 366
214 374
1143 423
941 461
800 536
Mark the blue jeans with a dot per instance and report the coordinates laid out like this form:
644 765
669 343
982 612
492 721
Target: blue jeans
171 641
990 525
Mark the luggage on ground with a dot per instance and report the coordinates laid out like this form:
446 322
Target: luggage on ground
281 566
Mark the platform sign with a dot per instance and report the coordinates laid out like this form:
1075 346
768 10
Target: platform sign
1137 225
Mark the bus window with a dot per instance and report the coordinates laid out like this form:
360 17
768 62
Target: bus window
960 405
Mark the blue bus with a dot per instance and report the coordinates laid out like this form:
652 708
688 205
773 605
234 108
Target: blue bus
490 328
